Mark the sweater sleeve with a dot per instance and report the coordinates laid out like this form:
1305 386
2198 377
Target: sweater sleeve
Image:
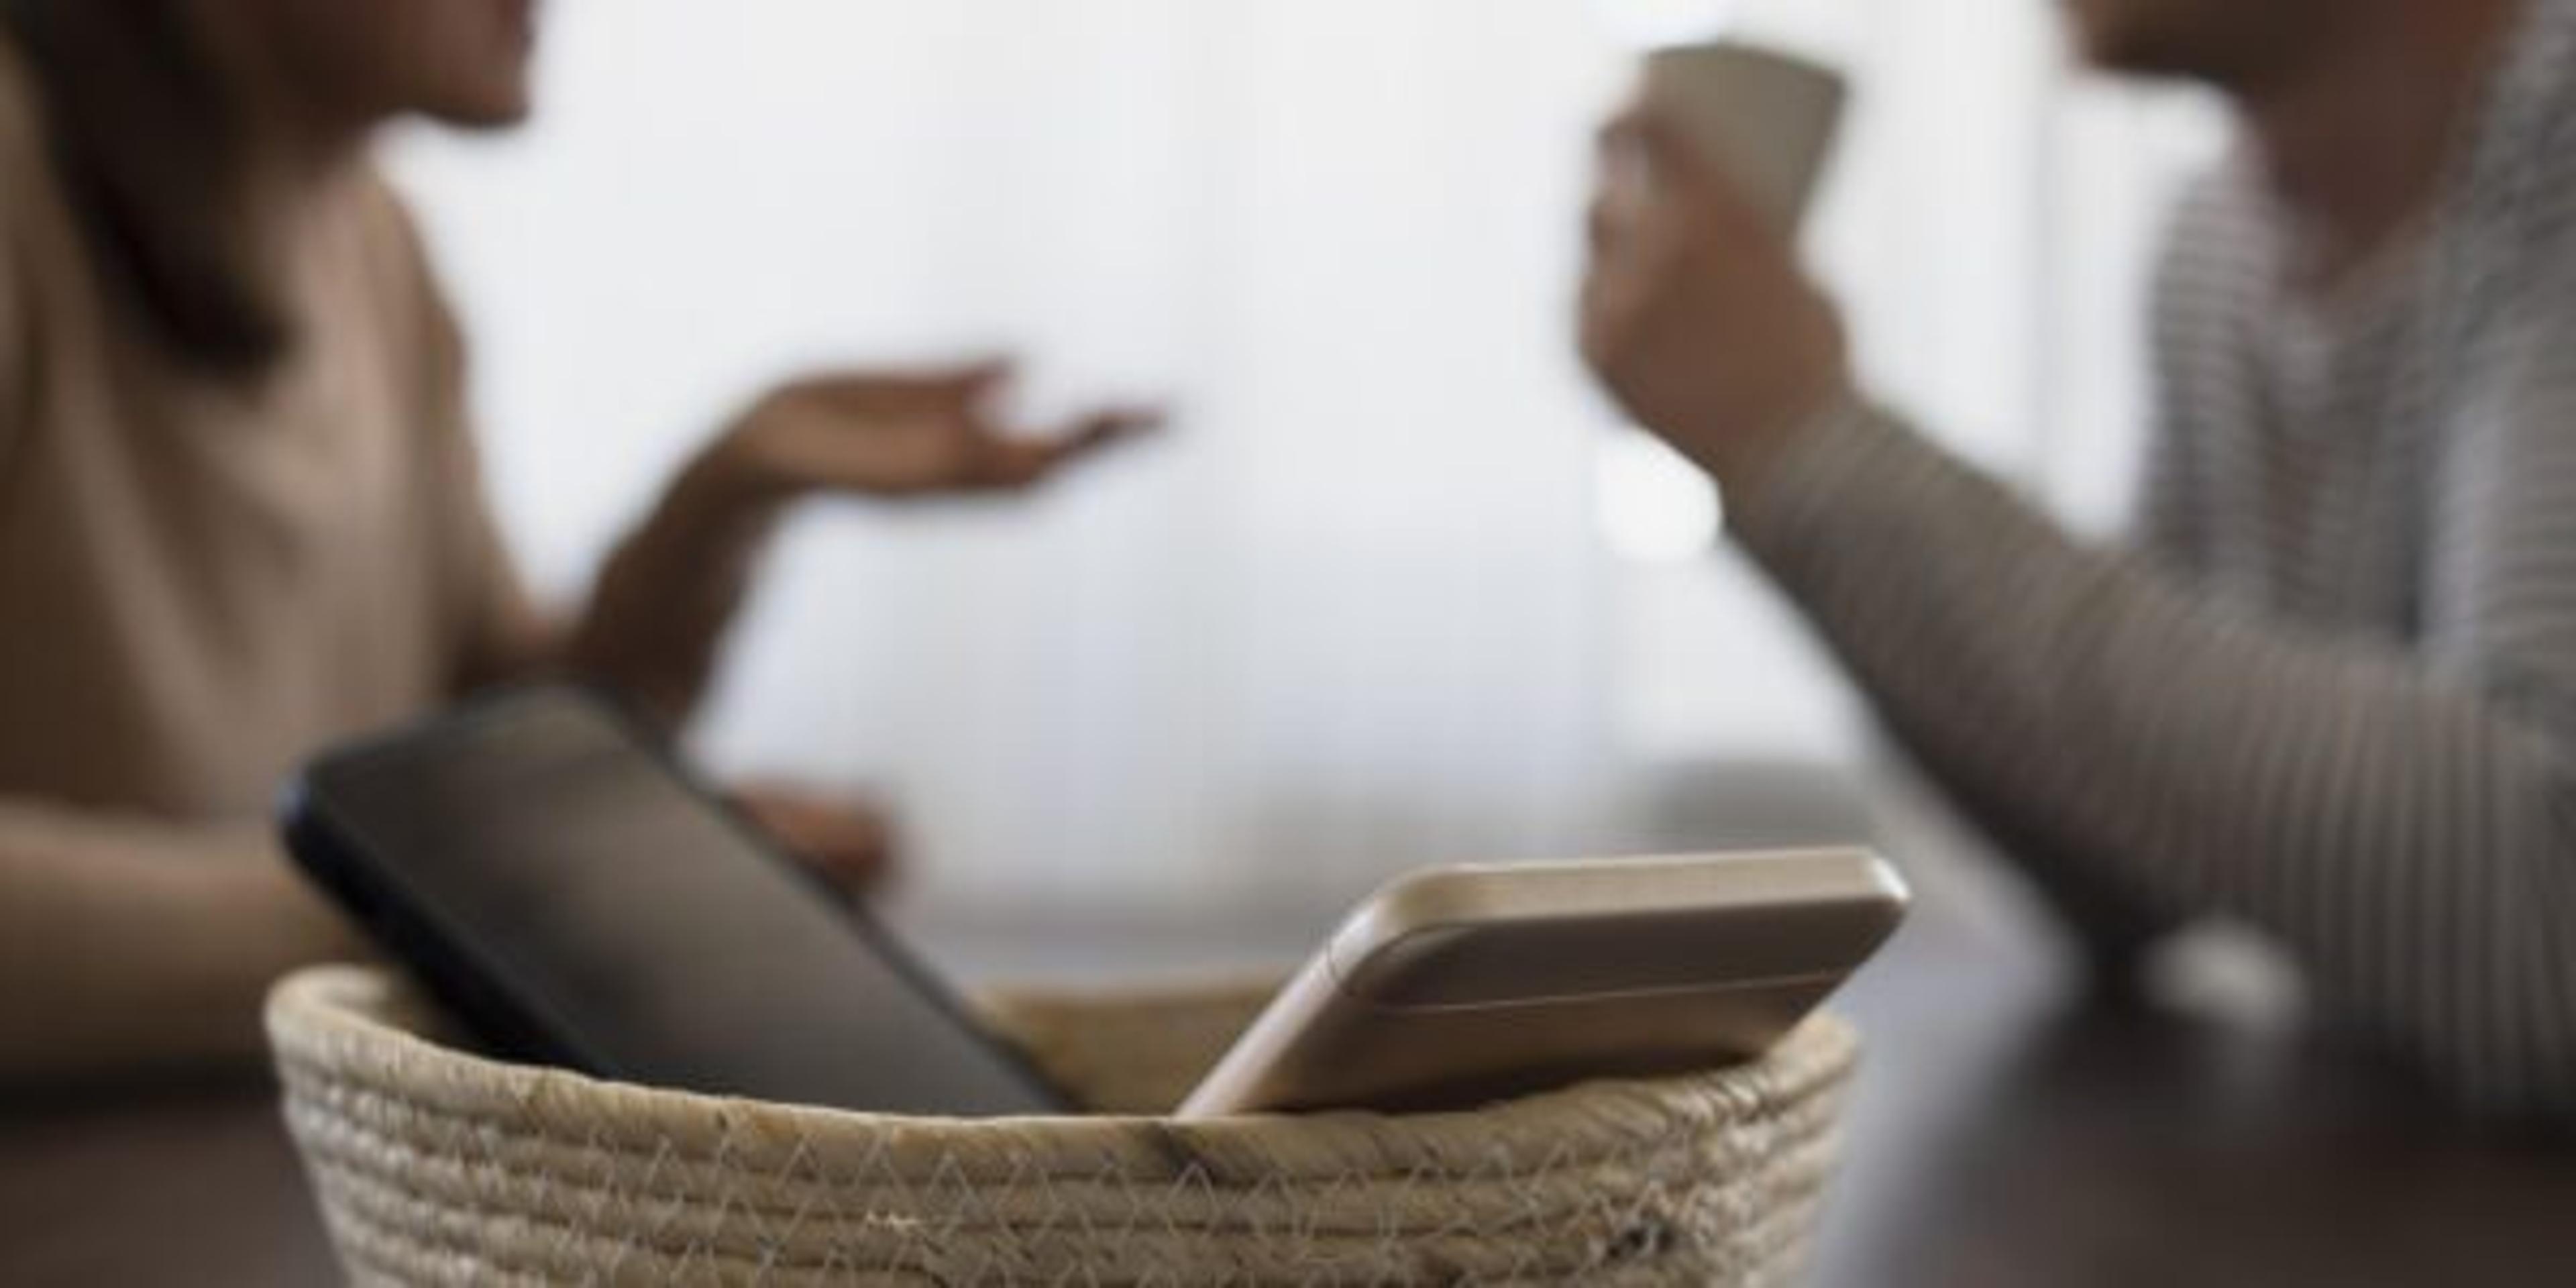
2399 816
130 945
2167 524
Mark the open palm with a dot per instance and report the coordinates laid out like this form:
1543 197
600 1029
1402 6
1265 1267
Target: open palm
912 435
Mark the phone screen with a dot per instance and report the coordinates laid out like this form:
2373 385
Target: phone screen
642 929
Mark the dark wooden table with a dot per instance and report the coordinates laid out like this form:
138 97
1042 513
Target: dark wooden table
2004 1135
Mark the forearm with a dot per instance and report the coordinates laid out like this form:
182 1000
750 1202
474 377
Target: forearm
2400 827
2112 927
659 613
130 948
663 603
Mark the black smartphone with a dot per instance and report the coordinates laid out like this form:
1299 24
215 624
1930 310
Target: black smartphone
564 886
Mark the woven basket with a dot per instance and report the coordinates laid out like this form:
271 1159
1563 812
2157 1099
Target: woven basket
435 1166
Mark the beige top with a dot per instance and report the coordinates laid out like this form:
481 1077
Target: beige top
200 584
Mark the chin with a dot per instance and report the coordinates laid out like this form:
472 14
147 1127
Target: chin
487 108
2115 52
481 116
2208 40
2113 42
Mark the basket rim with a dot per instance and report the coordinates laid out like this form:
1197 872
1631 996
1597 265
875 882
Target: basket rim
345 1021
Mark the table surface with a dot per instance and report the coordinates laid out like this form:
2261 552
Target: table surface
2005 1133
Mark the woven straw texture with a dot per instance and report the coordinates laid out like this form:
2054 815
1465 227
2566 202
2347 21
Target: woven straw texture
438 1167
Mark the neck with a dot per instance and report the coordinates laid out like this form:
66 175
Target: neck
2357 137
294 144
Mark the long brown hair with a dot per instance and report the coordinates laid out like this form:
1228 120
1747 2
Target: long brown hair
149 148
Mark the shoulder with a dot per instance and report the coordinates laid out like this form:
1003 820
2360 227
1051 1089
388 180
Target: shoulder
2210 281
2528 377
396 251
2507 448
2219 245
407 282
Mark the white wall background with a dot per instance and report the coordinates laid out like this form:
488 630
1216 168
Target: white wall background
1358 612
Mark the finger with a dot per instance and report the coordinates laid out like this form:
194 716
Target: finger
1629 237
1685 182
980 380
1623 189
1600 225
1611 302
848 841
979 375
1619 133
1013 463
859 855
1639 258
1091 434
1621 212
935 389
1598 315
1679 162
1107 426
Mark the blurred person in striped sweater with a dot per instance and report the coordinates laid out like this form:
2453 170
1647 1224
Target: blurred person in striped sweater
2328 687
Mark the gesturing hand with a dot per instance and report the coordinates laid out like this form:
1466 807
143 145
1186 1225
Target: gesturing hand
932 433
1696 315
848 842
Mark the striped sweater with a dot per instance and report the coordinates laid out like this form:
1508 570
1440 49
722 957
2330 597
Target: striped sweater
2330 689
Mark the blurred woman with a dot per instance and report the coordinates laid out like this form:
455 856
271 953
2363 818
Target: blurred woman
240 513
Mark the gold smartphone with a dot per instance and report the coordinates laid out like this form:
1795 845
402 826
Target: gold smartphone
1460 986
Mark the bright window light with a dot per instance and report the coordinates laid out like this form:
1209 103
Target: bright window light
1654 507
1654 23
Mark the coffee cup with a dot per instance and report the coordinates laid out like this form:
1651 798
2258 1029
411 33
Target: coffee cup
1767 119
